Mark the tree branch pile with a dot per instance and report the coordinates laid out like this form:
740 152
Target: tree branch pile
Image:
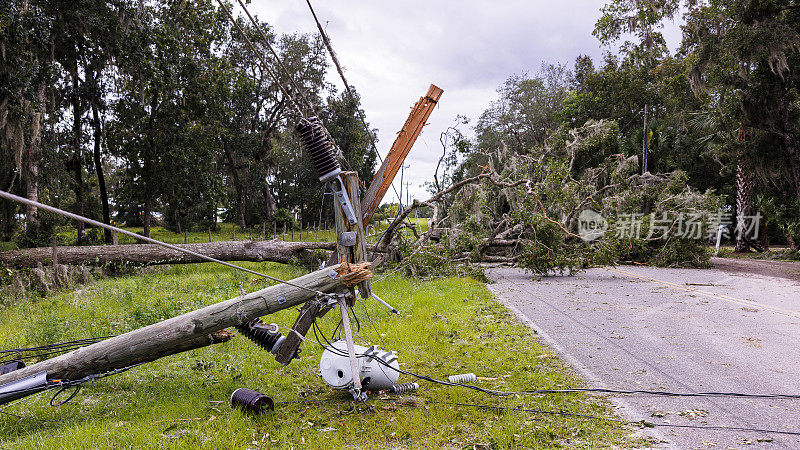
525 209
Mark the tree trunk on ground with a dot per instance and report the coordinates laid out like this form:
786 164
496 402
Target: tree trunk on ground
77 156
98 169
258 251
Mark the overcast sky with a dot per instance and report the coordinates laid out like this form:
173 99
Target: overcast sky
392 51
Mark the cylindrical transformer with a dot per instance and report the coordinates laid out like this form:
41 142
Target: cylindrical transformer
334 367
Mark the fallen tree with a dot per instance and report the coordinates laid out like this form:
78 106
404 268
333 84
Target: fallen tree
502 206
147 254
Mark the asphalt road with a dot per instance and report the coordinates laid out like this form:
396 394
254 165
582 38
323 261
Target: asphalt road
718 330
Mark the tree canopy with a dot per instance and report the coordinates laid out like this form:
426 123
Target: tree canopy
131 112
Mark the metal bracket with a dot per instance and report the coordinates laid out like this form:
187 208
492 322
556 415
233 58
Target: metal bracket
349 238
337 186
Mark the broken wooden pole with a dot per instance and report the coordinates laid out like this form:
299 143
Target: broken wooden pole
350 241
191 330
351 250
400 149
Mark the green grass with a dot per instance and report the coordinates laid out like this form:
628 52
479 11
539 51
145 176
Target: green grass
447 326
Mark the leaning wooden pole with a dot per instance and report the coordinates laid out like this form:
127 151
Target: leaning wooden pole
351 249
190 330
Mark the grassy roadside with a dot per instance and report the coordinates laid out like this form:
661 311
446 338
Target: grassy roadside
447 326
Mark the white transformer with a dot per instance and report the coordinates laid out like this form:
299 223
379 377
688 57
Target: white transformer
334 367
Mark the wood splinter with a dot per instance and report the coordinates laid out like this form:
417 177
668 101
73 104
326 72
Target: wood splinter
353 274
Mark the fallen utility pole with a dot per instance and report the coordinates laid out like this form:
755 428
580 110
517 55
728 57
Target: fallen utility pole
185 332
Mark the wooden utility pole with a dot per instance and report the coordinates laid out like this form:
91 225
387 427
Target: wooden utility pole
185 332
350 249
350 241
397 155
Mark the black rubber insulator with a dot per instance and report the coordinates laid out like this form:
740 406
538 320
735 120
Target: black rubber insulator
261 337
251 401
11 366
316 143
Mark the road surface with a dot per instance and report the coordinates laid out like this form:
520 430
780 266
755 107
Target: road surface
681 330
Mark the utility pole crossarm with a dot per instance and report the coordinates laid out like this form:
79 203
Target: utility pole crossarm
397 154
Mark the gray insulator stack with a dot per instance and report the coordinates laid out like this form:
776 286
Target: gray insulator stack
462 378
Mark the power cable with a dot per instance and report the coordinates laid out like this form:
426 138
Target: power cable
22 354
63 385
638 423
326 40
277 58
643 423
86 220
332 349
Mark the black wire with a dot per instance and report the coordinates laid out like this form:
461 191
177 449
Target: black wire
333 335
47 350
84 341
64 388
62 385
381 361
640 423
358 324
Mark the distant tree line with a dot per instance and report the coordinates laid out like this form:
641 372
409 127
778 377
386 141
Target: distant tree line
128 111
